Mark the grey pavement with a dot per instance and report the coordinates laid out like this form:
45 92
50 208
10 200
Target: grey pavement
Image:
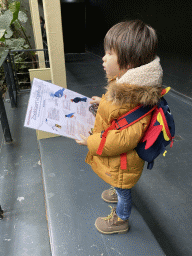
23 231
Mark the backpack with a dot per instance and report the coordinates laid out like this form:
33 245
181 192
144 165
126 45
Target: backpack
159 134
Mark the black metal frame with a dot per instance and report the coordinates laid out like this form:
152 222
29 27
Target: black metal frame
5 61
1 213
4 121
12 52
10 80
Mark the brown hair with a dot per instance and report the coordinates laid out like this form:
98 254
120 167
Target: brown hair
134 42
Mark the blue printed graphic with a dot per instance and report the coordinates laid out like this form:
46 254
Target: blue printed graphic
78 99
58 94
70 115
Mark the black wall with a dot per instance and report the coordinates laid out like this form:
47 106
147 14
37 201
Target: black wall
73 23
171 19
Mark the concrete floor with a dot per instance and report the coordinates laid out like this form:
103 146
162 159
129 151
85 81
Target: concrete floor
23 230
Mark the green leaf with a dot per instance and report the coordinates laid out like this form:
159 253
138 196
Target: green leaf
26 46
15 44
2 39
5 20
14 7
8 33
22 17
2 33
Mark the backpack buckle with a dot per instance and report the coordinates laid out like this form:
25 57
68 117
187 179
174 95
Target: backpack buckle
122 123
117 125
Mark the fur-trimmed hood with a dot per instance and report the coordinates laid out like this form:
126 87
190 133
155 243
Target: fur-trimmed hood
141 85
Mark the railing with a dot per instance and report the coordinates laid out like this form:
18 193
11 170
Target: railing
13 83
30 63
9 76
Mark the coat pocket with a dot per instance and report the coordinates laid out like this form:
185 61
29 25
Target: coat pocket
114 163
104 160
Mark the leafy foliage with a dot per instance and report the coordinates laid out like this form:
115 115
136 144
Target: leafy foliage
10 21
14 8
13 36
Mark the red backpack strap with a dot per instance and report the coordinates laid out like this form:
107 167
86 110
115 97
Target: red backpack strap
123 161
133 116
116 125
103 136
123 122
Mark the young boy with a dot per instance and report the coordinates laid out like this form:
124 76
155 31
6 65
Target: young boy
134 77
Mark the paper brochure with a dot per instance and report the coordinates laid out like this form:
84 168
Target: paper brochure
54 109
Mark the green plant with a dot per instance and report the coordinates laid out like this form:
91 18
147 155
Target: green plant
13 34
11 26
12 31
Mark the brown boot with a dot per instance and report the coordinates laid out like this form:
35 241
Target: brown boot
109 195
112 224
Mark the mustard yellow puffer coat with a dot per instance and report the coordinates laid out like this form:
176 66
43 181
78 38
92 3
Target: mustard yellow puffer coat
119 99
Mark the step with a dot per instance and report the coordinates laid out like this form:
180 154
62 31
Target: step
163 194
73 199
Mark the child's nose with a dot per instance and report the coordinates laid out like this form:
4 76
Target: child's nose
104 57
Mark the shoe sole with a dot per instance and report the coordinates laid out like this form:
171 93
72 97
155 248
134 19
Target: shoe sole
113 202
113 232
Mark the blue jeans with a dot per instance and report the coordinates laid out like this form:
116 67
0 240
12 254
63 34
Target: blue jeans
124 204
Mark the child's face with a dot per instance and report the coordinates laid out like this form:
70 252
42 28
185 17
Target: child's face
111 66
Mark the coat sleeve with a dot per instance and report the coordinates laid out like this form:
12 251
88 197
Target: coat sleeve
118 142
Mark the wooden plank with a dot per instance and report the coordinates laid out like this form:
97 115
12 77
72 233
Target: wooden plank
53 23
37 31
40 73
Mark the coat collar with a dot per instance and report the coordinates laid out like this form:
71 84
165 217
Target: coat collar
141 85
150 74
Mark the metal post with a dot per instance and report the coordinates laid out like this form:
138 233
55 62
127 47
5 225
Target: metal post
15 72
4 121
13 85
1 213
8 81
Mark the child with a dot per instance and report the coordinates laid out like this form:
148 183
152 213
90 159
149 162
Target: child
134 77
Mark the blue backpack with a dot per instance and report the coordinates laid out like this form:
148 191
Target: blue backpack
159 134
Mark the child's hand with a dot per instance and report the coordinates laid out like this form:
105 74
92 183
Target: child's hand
83 141
95 99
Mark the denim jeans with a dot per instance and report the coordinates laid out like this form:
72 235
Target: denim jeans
124 204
